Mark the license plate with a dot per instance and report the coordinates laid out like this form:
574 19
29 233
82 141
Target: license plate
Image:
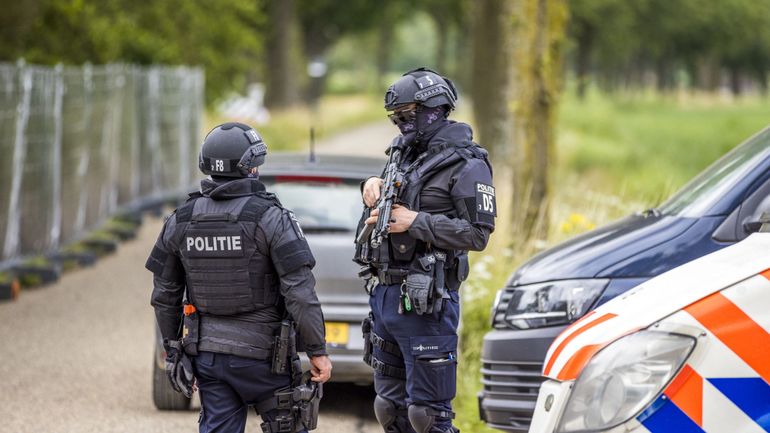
337 334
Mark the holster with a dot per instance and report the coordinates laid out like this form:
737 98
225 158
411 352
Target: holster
366 331
190 330
302 403
283 348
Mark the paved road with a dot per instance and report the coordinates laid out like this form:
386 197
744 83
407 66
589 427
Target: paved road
76 356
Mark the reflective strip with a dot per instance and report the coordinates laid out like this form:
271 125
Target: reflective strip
750 394
572 336
670 419
736 330
686 391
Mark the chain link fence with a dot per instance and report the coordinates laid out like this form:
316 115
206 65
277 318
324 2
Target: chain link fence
79 143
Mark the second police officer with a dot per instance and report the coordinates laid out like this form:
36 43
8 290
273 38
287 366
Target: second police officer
445 207
245 266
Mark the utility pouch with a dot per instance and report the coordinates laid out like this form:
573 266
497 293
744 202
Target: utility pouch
190 330
282 349
439 277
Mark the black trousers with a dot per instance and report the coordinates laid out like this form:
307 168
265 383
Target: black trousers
228 385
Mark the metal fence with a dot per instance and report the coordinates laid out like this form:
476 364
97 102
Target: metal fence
78 143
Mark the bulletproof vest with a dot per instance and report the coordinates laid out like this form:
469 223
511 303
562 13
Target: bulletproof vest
226 274
425 169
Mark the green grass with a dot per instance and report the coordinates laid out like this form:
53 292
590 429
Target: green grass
616 155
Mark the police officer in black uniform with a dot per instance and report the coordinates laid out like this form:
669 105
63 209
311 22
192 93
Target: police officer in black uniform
231 269
446 207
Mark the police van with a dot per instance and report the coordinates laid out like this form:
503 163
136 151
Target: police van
687 351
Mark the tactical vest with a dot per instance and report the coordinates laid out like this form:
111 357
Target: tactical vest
226 274
401 247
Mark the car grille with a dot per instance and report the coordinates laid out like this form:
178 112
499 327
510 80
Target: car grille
518 381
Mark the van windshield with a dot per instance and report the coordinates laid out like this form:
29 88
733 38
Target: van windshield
700 195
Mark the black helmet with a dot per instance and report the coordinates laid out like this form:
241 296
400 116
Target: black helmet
422 86
231 149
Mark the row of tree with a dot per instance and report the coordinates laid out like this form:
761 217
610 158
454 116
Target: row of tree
510 55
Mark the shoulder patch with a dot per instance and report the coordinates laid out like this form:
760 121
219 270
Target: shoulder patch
485 199
295 225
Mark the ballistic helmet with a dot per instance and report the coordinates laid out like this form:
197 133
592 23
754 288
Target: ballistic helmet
231 149
422 86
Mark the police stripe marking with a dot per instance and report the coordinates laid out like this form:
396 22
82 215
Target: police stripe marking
572 336
750 394
686 391
736 330
668 419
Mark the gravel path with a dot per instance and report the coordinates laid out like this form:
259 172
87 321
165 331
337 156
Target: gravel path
76 356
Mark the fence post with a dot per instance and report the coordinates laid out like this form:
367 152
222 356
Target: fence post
56 175
11 247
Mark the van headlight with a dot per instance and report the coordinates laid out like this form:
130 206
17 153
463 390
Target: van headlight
546 304
623 379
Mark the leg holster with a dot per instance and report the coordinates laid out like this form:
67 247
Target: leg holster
299 406
372 340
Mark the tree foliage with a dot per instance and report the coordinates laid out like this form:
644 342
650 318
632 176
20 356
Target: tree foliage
620 43
222 36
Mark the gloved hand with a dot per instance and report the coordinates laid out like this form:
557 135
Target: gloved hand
179 369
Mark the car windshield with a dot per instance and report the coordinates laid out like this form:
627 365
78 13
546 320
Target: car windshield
320 204
701 193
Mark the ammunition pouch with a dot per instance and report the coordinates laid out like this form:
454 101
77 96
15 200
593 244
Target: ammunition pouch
302 403
190 330
458 272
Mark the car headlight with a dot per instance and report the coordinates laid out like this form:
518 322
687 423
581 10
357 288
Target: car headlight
546 304
624 378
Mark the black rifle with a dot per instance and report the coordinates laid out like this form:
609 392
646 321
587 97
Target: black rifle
376 233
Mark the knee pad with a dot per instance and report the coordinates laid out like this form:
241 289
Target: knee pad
388 416
423 419
420 419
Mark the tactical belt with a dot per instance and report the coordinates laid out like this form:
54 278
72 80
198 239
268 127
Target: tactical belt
392 276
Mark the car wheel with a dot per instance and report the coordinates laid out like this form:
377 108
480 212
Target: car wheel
164 397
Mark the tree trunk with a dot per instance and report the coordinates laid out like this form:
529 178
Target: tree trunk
541 35
385 43
490 86
442 36
281 89
583 61
735 81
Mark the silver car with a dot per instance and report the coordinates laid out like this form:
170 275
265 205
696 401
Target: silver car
325 196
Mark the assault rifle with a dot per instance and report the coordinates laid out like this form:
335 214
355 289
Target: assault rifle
376 233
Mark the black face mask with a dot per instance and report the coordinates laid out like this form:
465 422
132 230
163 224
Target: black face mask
423 121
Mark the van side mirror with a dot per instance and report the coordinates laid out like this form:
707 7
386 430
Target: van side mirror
760 225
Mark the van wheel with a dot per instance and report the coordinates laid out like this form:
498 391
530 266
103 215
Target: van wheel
164 397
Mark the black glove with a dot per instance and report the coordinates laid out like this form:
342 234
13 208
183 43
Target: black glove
419 288
179 369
